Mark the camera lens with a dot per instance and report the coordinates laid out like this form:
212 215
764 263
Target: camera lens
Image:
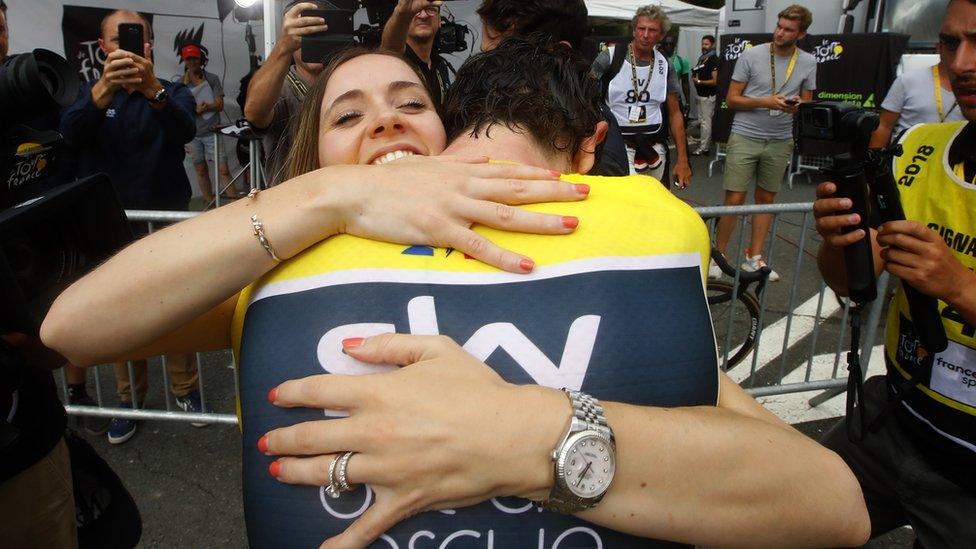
33 83
822 119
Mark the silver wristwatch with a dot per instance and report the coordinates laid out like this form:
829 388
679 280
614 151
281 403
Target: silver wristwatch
584 461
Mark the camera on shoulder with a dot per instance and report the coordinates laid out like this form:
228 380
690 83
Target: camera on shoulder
52 229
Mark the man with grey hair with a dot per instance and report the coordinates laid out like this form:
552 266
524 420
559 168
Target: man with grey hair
641 88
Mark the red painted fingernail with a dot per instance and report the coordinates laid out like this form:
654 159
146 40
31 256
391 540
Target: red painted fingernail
582 188
570 222
273 395
555 173
351 342
263 444
527 264
275 468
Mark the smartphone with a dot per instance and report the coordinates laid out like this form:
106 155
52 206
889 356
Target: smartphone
791 101
318 47
131 38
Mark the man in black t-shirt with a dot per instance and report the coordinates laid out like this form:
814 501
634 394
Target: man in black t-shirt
705 76
412 29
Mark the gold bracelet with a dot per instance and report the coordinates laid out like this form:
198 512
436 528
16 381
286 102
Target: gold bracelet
259 233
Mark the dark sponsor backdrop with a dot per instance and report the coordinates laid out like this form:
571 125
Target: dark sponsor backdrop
857 68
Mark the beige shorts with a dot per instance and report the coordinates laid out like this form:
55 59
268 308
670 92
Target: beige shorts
765 160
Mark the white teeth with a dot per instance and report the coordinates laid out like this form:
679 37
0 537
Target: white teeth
391 156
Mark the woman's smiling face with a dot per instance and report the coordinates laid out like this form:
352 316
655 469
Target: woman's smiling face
375 109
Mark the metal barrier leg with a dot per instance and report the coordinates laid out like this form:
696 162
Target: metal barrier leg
216 175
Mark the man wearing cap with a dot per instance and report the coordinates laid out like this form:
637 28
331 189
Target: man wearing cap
209 95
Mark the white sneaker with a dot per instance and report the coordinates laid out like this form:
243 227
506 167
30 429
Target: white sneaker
714 271
756 262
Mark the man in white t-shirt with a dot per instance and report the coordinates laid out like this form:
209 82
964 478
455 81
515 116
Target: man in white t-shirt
918 96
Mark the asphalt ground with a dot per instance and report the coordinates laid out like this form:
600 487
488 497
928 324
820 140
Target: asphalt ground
187 480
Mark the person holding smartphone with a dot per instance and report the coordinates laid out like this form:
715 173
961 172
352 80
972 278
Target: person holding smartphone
277 90
132 126
768 83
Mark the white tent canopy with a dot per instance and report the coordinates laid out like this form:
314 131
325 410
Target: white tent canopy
680 13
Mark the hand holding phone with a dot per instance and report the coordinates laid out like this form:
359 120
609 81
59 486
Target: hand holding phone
791 101
131 38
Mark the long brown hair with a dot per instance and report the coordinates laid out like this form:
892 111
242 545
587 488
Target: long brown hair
304 154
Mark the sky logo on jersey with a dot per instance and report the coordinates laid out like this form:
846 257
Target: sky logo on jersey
611 329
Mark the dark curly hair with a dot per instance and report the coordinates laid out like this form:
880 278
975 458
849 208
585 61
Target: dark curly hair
529 85
562 20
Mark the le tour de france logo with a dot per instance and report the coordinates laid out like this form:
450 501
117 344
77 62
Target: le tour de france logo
736 48
828 50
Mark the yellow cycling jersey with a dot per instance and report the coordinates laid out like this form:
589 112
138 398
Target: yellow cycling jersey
934 193
617 309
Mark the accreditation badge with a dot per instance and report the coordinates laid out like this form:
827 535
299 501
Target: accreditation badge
774 112
637 114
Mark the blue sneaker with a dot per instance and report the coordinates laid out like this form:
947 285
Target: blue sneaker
191 402
121 429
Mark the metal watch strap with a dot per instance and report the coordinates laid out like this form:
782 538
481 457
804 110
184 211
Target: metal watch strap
588 410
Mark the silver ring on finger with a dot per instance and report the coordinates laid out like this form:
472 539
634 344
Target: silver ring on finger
341 472
333 489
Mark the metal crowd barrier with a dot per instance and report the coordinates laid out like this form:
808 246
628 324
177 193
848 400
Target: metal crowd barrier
786 359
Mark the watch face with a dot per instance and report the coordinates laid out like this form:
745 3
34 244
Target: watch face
589 465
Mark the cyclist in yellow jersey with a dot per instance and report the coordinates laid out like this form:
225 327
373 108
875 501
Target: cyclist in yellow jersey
615 310
619 312
918 468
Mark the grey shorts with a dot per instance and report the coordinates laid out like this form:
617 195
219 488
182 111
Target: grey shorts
765 160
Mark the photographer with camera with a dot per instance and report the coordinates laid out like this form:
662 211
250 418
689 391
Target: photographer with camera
412 30
277 89
133 126
916 462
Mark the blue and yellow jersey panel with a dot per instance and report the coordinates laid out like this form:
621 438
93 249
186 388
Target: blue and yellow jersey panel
616 309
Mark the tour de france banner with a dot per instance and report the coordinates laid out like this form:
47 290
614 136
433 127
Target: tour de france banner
856 68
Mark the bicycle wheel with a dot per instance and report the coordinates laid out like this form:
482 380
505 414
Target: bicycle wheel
735 322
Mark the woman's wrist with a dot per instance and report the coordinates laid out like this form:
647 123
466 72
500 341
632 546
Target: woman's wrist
546 414
330 199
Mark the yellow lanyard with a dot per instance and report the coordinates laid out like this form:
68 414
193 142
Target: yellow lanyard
938 95
789 69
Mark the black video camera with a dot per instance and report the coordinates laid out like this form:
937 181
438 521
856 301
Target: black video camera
451 37
864 176
52 231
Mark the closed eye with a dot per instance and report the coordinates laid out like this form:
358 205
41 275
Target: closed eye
414 104
346 117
